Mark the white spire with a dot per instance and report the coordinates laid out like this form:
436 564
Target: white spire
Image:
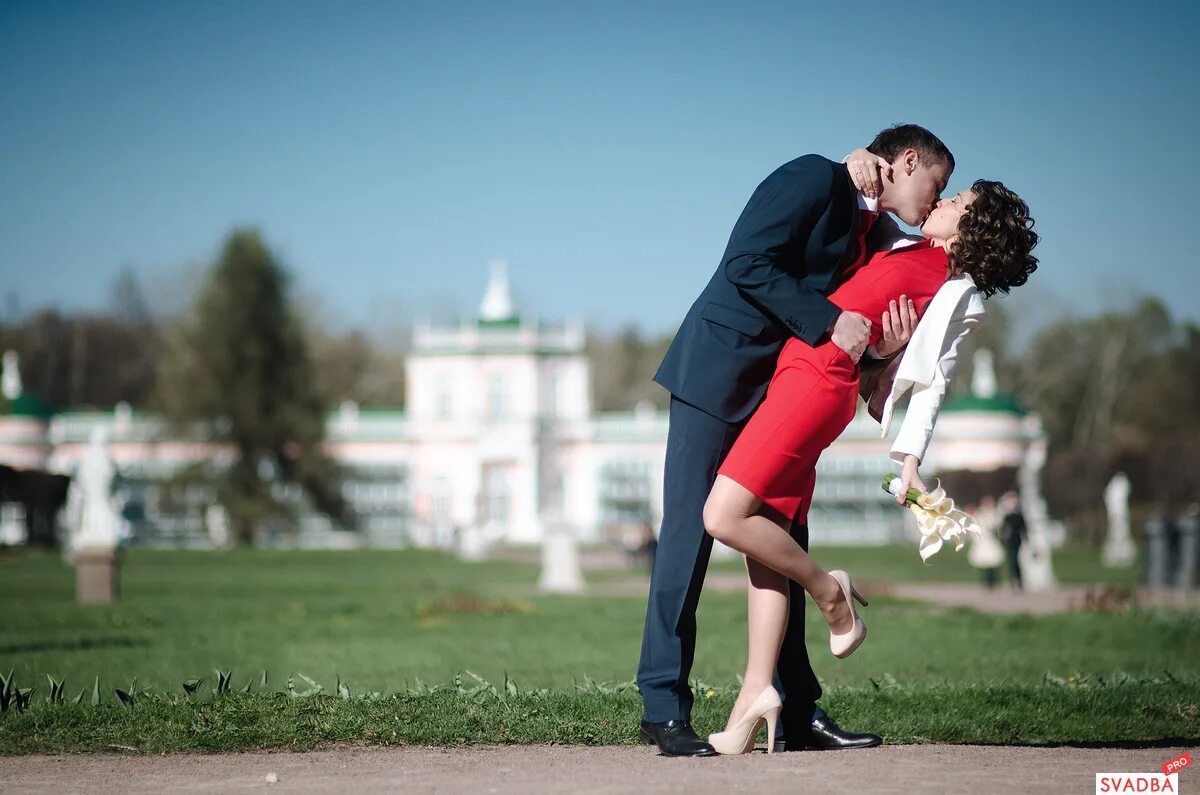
983 380
10 381
497 302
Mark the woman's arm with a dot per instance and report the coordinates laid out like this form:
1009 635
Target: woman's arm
867 171
926 402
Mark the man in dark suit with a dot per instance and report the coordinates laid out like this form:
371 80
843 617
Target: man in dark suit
800 234
1013 533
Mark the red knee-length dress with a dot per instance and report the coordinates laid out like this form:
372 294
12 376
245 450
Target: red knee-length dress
813 394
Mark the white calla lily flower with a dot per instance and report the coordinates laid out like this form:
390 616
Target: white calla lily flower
939 521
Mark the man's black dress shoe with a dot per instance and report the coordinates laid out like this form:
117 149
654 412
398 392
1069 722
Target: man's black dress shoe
824 735
675 738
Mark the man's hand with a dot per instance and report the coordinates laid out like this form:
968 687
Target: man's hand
851 333
898 324
909 478
867 171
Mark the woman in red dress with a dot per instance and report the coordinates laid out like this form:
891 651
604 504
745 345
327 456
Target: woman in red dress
765 483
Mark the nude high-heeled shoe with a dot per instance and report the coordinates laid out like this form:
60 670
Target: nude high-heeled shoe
739 738
843 645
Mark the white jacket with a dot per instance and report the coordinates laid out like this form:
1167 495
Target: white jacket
928 361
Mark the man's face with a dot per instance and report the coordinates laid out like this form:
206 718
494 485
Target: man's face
918 187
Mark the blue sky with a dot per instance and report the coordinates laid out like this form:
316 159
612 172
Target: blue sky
389 150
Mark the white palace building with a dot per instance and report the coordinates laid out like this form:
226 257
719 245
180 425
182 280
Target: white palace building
498 440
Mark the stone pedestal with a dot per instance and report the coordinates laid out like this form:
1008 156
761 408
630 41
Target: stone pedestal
96 575
561 572
1158 553
472 544
1118 551
1187 572
1189 552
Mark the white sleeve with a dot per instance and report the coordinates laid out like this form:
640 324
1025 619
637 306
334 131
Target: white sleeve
916 429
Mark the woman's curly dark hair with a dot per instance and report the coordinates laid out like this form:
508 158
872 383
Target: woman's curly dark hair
995 238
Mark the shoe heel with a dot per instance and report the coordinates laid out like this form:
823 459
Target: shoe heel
858 597
772 717
742 736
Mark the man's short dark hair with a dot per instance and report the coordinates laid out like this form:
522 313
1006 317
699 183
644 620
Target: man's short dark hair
894 140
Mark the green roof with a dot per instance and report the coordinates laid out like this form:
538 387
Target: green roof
505 322
25 405
997 404
391 412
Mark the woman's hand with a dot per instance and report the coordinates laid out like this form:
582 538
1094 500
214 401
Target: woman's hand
867 171
910 478
898 324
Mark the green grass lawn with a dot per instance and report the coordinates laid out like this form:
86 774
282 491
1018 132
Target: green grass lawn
382 620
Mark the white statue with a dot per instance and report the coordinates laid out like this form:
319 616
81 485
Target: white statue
216 521
1118 545
10 381
1037 573
983 380
123 417
13 530
98 523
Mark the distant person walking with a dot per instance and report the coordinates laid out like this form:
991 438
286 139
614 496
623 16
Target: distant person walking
1012 533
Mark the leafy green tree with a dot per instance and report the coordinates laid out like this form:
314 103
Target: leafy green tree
350 366
240 363
1117 392
85 359
623 369
1080 373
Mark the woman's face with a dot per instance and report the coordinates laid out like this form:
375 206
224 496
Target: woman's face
942 223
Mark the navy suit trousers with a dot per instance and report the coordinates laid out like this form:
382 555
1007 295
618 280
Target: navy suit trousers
696 444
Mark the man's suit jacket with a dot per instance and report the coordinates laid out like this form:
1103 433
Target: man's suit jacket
797 233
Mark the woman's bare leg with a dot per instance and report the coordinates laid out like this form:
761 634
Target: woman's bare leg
734 516
767 603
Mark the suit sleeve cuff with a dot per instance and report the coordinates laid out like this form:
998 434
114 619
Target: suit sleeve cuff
817 326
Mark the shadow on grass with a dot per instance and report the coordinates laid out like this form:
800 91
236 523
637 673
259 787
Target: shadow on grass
72 644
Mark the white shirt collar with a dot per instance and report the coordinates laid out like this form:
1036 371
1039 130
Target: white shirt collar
868 204
901 241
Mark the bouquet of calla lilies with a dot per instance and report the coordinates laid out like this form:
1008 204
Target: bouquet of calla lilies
937 518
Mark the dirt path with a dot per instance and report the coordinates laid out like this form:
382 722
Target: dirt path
1060 600
1001 600
907 769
